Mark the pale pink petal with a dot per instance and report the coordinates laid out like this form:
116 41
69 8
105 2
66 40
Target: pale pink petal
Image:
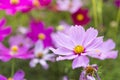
112 54
70 57
63 40
63 51
44 64
80 61
76 34
90 35
33 62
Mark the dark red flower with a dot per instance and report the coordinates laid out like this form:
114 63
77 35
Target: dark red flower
81 17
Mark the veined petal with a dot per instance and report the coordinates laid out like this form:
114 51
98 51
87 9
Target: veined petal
90 35
63 51
80 61
76 34
70 57
63 40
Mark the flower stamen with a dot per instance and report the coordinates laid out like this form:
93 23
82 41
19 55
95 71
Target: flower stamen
79 49
80 17
14 2
41 36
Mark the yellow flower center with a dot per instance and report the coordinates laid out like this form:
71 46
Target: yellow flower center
90 70
36 3
40 55
14 2
80 17
79 49
10 79
41 36
14 49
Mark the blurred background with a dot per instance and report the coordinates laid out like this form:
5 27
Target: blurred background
108 25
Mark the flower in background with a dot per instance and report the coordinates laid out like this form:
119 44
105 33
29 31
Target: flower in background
39 32
65 78
117 3
76 45
4 31
13 6
18 48
81 17
19 75
89 72
69 5
41 55
105 51
45 2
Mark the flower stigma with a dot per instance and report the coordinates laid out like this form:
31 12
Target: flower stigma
80 17
79 49
14 2
41 36
36 3
10 79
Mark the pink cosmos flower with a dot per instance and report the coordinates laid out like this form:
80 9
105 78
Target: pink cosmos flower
89 72
76 45
41 55
4 31
105 51
69 5
18 48
39 32
13 6
81 17
19 75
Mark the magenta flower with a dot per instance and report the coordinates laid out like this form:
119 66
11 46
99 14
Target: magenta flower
76 45
4 31
69 5
105 51
13 6
41 55
81 17
117 3
39 32
45 2
18 48
19 75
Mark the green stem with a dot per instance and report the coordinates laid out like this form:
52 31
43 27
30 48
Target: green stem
95 13
118 16
12 67
100 7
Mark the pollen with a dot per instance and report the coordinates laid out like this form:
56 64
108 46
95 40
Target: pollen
79 49
14 49
14 2
41 36
10 79
90 70
36 3
40 55
80 17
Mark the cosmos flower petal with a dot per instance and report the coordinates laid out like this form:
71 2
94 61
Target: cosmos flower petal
69 57
19 75
80 61
2 22
33 62
63 40
63 51
90 35
2 77
77 34
44 64
109 44
112 54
